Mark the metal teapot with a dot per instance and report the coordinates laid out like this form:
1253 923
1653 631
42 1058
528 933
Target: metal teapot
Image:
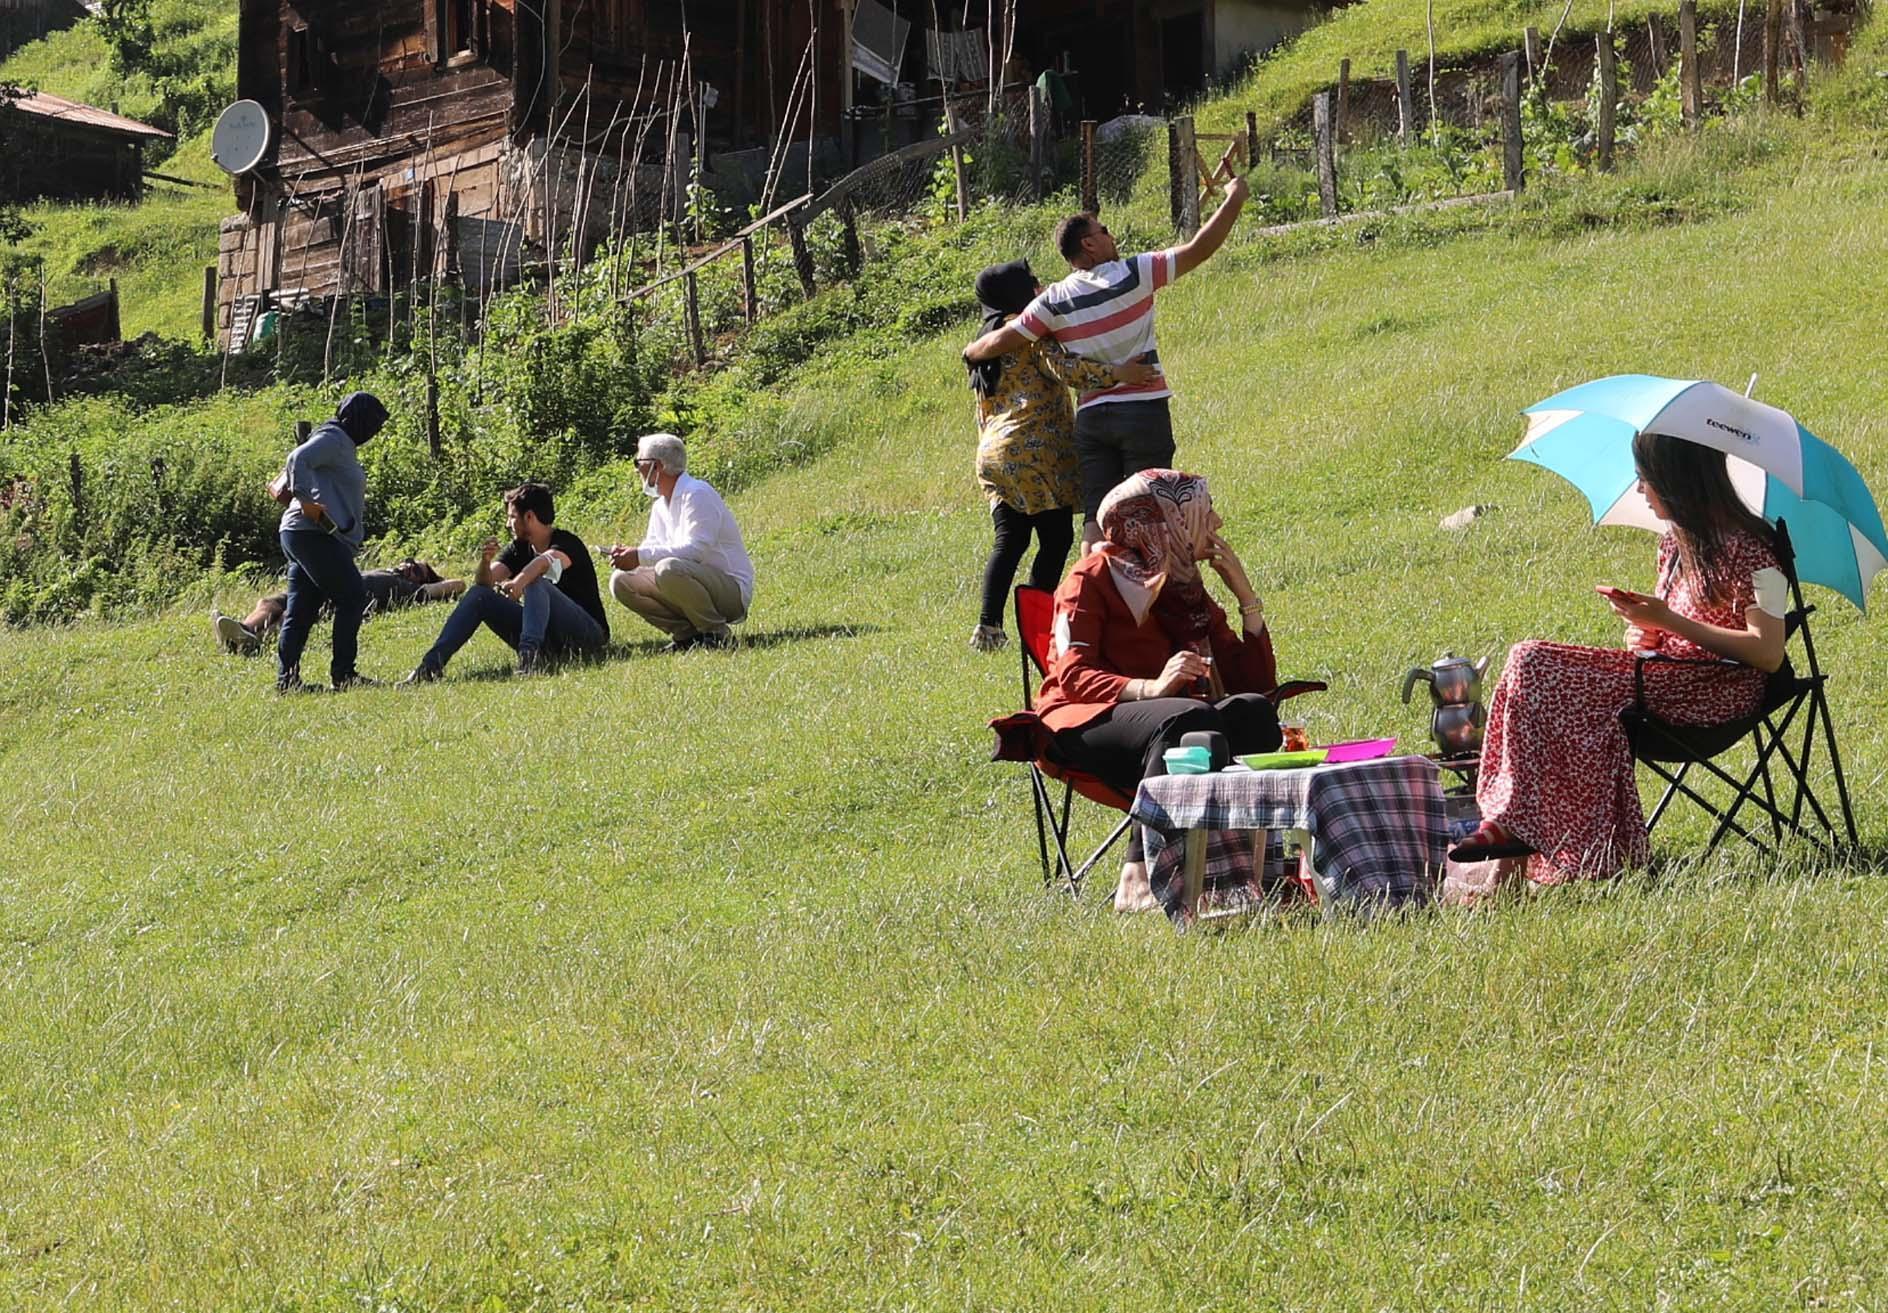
1453 680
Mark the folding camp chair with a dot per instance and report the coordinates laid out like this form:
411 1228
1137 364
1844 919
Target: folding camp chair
1663 746
1035 617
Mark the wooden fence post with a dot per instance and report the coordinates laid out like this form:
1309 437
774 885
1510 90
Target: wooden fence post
1405 115
1511 163
1038 139
849 248
951 126
1182 173
117 325
1252 139
77 471
209 303
750 290
1657 40
693 298
1609 99
432 413
1799 44
802 258
1531 42
1343 100
1091 185
1690 83
1772 41
1321 125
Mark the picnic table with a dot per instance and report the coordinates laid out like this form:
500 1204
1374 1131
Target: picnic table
1375 833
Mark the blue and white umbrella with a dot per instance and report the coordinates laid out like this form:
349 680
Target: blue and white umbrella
1780 469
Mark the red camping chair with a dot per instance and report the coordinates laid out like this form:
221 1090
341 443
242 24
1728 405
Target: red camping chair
1035 620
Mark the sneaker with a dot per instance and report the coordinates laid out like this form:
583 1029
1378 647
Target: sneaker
988 638
355 680
231 634
715 641
529 663
290 681
683 643
422 674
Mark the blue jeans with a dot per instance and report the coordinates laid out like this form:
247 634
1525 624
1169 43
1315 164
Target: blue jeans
320 569
547 622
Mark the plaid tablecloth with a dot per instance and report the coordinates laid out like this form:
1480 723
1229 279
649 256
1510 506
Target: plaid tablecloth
1377 828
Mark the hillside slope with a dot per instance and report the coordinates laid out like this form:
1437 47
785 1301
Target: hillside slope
724 980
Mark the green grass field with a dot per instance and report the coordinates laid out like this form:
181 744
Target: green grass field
724 980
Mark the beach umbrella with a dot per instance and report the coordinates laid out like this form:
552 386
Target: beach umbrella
1780 469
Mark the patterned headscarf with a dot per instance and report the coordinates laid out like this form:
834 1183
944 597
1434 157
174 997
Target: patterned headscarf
1153 525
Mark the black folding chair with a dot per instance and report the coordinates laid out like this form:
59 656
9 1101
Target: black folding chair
1674 751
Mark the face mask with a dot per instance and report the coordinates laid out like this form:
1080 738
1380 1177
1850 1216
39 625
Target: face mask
650 490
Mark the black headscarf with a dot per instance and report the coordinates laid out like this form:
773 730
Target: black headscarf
1003 290
360 416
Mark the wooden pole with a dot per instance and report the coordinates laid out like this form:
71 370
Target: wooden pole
1184 196
1511 164
1772 44
1799 60
432 412
1609 99
1322 107
957 164
1342 127
1252 139
1038 139
1531 42
849 237
1404 116
1091 185
693 297
750 290
1657 39
1690 83
802 258
209 303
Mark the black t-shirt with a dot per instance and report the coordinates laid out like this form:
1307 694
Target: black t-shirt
387 589
579 583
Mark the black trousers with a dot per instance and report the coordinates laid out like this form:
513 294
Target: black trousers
1125 744
1055 534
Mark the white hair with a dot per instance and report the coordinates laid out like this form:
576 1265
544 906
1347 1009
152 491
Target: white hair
664 448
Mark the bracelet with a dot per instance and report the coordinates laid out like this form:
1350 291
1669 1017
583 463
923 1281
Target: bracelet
1254 607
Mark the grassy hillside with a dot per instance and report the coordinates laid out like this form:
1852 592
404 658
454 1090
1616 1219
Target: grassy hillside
722 980
156 249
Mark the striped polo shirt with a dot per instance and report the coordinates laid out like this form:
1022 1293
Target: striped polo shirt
1106 314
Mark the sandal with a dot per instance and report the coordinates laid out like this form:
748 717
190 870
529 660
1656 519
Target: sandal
1489 842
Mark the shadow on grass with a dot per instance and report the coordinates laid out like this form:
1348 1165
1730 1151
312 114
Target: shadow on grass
619 650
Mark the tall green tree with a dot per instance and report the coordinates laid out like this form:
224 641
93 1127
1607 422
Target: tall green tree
130 33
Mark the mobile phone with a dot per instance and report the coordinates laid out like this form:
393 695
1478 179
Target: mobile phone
1613 594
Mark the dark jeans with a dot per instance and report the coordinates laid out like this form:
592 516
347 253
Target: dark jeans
1055 534
546 621
1125 744
320 569
1116 439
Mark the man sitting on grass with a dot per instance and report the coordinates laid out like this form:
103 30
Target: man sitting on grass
691 577
540 596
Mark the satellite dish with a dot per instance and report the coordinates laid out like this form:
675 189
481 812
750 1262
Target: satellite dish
242 137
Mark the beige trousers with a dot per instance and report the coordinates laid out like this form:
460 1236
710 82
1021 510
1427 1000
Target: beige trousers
681 597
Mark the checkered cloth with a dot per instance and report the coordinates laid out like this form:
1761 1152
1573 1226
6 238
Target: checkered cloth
1377 829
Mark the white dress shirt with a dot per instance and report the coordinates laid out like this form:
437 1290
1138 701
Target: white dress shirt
692 522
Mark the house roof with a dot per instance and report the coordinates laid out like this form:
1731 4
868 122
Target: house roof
41 105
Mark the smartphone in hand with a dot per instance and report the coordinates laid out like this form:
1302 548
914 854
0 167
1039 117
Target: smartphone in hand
1613 594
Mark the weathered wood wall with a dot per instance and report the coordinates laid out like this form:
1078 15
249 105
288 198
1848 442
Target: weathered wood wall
69 161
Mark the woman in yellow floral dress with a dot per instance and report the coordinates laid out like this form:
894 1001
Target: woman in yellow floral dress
1026 445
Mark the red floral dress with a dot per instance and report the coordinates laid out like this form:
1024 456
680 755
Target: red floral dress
1556 770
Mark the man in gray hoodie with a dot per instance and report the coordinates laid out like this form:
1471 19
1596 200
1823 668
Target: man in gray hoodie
325 490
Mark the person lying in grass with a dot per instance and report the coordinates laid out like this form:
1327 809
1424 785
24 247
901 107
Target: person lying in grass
1026 445
1142 655
1557 787
409 583
540 596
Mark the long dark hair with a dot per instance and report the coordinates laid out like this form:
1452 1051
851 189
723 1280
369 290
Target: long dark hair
1694 485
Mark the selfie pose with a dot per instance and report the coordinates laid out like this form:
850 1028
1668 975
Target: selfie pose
691 577
1557 788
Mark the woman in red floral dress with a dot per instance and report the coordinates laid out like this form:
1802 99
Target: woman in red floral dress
1557 784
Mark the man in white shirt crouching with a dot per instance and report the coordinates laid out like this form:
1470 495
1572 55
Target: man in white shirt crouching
691 577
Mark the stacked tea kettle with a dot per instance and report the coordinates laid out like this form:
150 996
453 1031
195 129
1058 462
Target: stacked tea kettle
1455 691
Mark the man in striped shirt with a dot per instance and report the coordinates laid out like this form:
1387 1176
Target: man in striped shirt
1104 310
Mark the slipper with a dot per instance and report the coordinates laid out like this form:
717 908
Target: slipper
1488 843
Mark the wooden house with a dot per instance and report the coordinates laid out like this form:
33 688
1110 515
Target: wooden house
468 138
62 150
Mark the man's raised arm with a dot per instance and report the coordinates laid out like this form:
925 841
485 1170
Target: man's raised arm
997 342
1213 234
